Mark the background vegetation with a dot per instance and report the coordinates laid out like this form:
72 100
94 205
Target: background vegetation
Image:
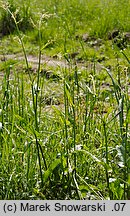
65 129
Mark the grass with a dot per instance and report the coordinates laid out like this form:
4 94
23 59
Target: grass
66 137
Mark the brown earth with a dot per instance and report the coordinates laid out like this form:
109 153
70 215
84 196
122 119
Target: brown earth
53 62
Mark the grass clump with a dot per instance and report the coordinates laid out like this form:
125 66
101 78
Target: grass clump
78 149
9 11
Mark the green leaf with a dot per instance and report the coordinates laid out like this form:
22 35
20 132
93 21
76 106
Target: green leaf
50 170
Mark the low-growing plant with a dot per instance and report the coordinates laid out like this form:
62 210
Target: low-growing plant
8 11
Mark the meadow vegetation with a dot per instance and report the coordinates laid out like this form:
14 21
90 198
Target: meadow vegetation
65 127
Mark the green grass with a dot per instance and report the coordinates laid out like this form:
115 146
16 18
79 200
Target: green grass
67 137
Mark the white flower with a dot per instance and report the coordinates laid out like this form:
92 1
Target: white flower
0 125
31 103
78 147
36 89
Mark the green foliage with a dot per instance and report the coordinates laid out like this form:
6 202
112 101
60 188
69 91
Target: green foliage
11 17
65 138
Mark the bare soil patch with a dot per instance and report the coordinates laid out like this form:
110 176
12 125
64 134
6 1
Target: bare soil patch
48 61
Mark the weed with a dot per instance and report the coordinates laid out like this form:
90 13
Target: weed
9 11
